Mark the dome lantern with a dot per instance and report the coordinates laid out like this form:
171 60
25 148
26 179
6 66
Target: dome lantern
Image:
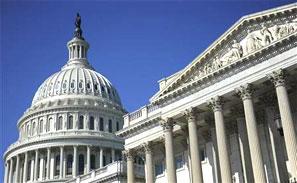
77 48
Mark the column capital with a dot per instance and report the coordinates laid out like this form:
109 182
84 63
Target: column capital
167 123
245 91
216 103
129 154
147 147
277 77
191 114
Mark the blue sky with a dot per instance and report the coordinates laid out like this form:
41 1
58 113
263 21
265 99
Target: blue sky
134 44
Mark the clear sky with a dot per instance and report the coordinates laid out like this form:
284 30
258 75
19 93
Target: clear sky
134 44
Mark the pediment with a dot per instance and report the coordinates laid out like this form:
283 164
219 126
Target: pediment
246 37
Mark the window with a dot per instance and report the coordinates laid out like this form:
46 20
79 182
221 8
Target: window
88 86
91 123
70 122
179 161
57 161
118 126
96 87
159 168
80 84
48 124
69 164
93 160
101 125
81 122
40 126
60 123
34 129
81 163
28 130
110 126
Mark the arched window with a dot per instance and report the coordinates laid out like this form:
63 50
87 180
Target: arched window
60 123
81 122
81 164
34 128
91 123
69 164
93 160
118 126
57 162
110 126
48 124
41 126
101 125
70 122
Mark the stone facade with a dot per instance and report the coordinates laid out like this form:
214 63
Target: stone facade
230 115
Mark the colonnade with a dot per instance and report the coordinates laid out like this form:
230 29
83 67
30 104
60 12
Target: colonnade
56 163
246 94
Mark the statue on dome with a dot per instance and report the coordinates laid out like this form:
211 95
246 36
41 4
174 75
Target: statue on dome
78 31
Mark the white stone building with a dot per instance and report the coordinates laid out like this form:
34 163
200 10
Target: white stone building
69 130
230 116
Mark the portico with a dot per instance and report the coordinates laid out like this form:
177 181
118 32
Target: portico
222 102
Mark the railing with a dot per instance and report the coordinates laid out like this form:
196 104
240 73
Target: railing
140 114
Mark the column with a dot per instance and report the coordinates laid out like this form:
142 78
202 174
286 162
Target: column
25 167
61 162
101 157
32 170
194 146
36 165
74 166
130 166
245 93
167 125
88 158
17 169
149 163
48 163
6 172
10 178
244 150
217 106
112 155
41 168
278 78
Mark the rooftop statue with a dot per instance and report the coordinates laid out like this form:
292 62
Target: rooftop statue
78 31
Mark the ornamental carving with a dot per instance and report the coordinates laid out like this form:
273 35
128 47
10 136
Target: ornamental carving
245 91
277 77
190 114
254 40
129 154
216 103
147 147
167 124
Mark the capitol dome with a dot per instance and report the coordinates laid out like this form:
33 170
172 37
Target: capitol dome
76 81
70 127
